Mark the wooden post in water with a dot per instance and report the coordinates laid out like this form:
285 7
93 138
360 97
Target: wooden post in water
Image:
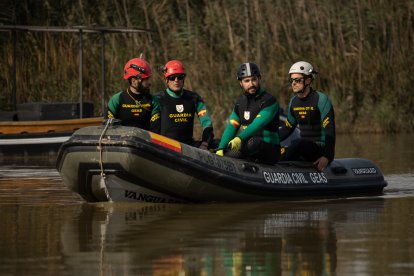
14 89
80 74
103 70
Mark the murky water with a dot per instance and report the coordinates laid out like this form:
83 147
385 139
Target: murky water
47 230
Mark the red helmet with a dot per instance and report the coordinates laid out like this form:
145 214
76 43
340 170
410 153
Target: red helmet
138 68
173 67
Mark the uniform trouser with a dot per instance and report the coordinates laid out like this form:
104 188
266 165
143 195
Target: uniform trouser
212 145
303 150
255 149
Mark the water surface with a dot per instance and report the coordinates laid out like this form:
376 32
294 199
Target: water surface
48 230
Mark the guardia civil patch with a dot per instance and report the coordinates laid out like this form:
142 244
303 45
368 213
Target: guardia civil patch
179 108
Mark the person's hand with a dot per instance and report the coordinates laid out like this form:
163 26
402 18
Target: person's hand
235 144
220 152
321 163
203 146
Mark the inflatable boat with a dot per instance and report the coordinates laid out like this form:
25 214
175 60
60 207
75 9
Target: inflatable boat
117 163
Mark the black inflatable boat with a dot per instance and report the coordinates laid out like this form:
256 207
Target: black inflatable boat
117 163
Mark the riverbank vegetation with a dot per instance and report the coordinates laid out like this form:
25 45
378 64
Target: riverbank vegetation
362 49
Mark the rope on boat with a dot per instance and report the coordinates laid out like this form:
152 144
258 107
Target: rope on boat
102 181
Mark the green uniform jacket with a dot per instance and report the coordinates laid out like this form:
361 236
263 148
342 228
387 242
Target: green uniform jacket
253 115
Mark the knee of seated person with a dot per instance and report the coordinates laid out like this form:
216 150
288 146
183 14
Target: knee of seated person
254 144
234 154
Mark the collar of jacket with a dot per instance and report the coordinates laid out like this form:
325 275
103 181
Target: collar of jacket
173 94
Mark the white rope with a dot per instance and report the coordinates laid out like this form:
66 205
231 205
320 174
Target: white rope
103 175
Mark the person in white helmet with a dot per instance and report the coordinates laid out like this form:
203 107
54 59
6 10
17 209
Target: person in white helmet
312 112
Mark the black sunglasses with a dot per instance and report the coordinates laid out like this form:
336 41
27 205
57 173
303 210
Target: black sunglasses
291 80
173 77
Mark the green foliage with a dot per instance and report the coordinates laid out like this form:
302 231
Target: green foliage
362 49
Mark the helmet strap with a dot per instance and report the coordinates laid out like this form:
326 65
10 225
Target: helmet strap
303 89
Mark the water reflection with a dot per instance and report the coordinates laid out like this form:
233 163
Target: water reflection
214 239
344 237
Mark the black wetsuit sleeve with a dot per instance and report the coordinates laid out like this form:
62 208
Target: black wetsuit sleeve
207 135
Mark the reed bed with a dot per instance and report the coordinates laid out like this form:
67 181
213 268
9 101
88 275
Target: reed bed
362 49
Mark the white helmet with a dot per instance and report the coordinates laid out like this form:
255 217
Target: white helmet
303 67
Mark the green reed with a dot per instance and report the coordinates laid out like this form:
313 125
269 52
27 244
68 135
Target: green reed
362 49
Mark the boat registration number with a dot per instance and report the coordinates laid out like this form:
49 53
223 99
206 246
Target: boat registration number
359 171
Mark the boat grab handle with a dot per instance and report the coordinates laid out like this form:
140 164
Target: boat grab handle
249 167
339 170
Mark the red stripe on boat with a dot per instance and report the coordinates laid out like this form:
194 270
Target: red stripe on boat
165 142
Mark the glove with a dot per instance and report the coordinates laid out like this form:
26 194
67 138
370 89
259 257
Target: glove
235 144
203 146
220 152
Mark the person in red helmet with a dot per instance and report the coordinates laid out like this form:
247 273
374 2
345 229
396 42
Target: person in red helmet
179 106
136 106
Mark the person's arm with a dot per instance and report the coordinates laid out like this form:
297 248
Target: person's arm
290 124
265 116
328 127
155 123
113 104
328 132
205 121
233 125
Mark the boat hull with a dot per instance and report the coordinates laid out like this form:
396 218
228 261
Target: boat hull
129 164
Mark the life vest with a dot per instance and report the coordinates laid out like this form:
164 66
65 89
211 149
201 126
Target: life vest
249 106
177 115
135 110
308 114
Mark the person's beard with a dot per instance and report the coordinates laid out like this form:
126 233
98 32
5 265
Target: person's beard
143 89
253 89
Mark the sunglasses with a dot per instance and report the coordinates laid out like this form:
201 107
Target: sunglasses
173 77
299 80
